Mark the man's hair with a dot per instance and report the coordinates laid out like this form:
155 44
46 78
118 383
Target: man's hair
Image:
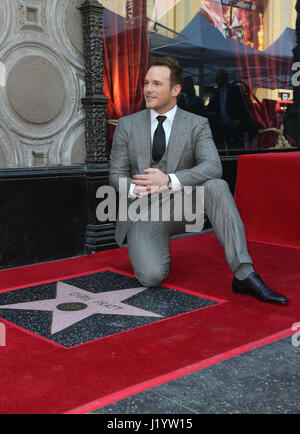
176 75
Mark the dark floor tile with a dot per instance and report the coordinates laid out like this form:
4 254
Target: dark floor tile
147 402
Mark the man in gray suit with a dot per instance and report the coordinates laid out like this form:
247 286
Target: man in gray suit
165 148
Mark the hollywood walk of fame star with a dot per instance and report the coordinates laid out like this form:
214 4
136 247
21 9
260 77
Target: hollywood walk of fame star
73 304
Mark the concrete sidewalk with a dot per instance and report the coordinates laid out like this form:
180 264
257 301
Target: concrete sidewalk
265 380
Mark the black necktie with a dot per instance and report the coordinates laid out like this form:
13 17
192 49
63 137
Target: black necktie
159 140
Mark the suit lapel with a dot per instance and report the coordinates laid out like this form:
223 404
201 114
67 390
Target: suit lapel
144 142
177 140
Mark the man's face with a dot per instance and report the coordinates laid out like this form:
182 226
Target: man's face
157 91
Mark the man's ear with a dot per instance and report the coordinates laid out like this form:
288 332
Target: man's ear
176 90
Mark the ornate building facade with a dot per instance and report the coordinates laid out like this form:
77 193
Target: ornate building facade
70 69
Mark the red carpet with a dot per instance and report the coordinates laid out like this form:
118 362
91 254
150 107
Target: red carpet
38 376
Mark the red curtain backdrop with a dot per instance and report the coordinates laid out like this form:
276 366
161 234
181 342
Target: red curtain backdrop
270 69
126 47
266 72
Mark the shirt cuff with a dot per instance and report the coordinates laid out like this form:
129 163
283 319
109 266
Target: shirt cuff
131 194
176 186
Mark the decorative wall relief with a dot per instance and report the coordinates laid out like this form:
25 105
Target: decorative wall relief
41 115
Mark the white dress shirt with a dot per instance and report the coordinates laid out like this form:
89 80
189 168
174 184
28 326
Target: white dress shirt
167 126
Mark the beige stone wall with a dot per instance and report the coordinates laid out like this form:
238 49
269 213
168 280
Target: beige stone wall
117 6
178 16
279 14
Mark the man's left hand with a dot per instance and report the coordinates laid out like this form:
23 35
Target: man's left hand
153 179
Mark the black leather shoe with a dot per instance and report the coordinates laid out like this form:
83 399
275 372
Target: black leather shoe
254 286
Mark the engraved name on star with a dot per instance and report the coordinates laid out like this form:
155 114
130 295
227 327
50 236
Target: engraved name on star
73 304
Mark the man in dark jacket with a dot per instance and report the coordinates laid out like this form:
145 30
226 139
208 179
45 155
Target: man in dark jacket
228 115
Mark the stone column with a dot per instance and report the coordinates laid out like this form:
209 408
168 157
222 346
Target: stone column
99 236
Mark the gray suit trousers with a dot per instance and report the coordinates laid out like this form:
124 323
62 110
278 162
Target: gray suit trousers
148 242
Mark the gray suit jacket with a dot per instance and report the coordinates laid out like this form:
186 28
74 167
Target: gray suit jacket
192 154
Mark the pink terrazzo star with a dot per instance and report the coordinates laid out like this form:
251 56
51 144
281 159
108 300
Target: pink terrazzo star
73 304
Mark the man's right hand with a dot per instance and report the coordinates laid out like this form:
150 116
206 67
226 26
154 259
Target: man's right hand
145 191
140 190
